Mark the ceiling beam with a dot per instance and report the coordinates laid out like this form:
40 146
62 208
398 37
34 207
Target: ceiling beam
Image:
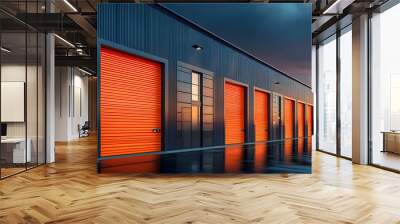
337 7
82 61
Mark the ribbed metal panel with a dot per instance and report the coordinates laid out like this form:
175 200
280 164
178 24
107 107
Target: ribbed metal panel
289 118
151 29
234 104
130 104
300 120
261 114
309 111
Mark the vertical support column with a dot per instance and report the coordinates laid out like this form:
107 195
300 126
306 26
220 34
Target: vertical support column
295 120
50 92
0 100
250 134
316 103
338 98
50 98
360 90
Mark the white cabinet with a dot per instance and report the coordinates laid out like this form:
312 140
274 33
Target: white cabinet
19 155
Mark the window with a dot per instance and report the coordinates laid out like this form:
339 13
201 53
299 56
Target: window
22 65
195 108
385 87
346 93
327 95
208 110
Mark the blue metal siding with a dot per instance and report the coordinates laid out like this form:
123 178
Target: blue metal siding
152 29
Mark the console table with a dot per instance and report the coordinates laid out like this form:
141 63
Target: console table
391 141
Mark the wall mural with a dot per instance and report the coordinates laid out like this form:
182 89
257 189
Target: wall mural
176 96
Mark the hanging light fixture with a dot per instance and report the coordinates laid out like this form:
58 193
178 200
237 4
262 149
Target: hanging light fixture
5 50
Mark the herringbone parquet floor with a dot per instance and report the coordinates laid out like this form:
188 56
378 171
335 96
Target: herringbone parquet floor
70 191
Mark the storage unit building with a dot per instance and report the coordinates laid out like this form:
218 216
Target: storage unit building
158 91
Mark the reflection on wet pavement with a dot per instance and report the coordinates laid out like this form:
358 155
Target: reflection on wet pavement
288 156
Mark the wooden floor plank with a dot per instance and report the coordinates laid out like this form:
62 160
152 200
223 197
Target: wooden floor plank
70 191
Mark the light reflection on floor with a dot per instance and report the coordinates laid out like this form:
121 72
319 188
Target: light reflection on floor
386 159
282 157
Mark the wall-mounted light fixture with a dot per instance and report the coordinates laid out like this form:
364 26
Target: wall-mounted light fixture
277 83
5 50
70 5
79 51
79 44
64 40
197 47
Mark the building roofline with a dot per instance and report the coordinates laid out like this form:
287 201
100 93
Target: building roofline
202 29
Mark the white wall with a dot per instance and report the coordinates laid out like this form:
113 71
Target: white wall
17 73
14 72
71 102
62 83
33 127
80 112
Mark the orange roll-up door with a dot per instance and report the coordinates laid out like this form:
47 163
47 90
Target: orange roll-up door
260 156
309 111
261 115
300 120
133 164
234 112
289 118
130 103
289 128
233 159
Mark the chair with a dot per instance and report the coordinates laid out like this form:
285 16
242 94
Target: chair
84 130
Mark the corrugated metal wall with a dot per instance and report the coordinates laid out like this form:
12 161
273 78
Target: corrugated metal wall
152 29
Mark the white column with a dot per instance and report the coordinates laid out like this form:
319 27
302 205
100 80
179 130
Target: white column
360 89
50 99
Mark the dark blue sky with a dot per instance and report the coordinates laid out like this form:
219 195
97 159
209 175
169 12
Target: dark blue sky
277 33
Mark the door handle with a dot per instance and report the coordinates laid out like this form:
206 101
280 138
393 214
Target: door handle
156 130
